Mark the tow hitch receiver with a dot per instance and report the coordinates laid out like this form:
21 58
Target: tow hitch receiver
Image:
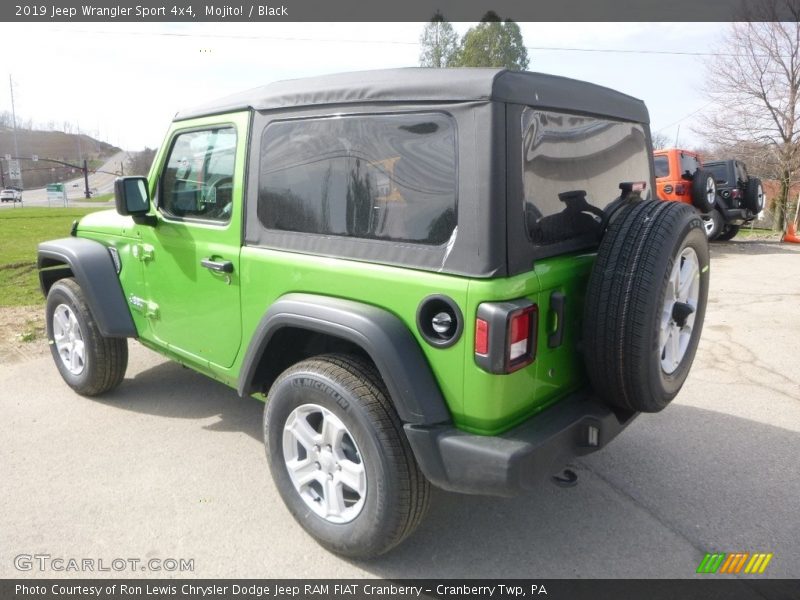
567 478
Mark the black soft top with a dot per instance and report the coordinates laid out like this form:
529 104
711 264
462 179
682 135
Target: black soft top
432 85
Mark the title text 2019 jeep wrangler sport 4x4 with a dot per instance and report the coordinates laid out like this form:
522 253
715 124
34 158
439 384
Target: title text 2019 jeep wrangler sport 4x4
453 277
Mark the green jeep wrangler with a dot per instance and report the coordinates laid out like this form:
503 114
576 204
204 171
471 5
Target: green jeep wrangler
447 277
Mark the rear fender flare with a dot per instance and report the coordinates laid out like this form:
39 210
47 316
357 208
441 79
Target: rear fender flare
382 335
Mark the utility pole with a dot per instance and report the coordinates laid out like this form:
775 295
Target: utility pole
14 120
86 179
13 114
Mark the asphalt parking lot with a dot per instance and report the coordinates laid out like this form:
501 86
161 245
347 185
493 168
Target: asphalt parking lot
171 465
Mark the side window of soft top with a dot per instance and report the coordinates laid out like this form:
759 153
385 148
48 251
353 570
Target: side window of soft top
661 166
197 181
741 172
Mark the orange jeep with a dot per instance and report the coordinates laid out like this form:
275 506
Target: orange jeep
680 177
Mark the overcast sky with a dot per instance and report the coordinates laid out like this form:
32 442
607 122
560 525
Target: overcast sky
125 81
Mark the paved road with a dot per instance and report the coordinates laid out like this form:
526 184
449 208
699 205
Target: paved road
172 466
102 182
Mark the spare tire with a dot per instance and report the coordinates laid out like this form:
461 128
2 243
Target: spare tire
704 191
754 195
645 305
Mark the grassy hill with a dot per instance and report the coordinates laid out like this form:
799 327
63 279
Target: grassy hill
57 145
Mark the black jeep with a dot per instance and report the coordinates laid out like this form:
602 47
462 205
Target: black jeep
739 199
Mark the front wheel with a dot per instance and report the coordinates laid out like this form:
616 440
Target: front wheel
88 361
339 457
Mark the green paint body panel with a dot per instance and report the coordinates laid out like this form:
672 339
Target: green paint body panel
206 320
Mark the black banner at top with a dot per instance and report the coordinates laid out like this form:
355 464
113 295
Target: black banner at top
145 11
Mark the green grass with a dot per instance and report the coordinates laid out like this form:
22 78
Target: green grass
99 198
31 331
21 230
757 234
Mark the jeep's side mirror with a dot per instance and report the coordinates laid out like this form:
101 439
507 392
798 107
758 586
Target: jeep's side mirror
131 196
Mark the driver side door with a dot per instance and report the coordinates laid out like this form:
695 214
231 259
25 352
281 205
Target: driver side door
191 256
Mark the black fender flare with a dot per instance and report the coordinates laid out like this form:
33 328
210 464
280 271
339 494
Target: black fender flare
382 335
93 269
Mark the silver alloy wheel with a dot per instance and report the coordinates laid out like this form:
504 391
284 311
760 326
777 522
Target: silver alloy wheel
68 339
324 463
760 196
708 224
679 309
711 191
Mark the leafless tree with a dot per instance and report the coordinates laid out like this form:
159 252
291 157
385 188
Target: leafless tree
660 140
139 162
755 83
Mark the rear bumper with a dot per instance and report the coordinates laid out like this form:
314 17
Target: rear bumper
736 216
520 459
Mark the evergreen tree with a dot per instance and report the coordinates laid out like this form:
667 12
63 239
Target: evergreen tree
439 43
493 43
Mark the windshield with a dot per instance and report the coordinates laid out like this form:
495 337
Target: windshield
572 170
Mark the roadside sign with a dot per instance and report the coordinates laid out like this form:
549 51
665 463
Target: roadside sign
8 157
56 193
35 157
13 170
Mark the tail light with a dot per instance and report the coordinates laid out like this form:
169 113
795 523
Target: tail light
736 194
505 335
680 189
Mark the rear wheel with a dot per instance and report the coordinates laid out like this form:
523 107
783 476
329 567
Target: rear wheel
89 362
645 305
339 456
713 223
728 233
704 191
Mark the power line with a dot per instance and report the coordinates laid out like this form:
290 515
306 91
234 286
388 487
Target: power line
268 38
621 51
694 112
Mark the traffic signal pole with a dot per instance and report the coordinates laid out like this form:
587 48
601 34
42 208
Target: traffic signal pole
86 179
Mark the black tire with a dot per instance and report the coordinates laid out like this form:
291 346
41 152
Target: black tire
714 224
105 359
396 492
754 195
626 300
704 191
728 233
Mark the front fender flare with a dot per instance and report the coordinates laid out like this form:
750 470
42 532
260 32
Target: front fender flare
383 336
93 269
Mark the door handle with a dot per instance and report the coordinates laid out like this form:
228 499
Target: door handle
220 266
557 305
